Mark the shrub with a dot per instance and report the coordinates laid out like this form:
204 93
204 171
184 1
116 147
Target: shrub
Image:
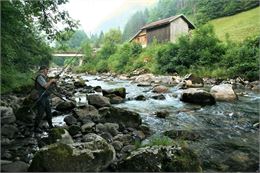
243 59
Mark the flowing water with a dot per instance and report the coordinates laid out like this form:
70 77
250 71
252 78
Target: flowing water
228 138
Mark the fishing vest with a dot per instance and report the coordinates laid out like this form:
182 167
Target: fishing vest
40 88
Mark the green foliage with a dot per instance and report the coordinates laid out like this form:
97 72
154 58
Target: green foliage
122 60
201 53
239 26
134 24
200 11
159 140
202 49
242 59
69 40
24 27
208 9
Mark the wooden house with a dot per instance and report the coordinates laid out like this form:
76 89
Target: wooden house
165 30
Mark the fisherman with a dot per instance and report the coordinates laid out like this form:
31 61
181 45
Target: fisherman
43 104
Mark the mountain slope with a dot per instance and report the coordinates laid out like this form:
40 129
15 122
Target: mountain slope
239 26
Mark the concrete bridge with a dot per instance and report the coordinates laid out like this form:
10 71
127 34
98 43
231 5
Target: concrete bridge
70 54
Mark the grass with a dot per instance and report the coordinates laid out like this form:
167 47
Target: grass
239 26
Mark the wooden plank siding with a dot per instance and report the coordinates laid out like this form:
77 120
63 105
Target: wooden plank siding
165 30
161 34
141 38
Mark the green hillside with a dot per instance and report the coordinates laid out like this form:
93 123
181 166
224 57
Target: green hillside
239 26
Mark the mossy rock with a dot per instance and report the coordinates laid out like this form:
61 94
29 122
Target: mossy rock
120 116
161 159
91 156
74 129
56 134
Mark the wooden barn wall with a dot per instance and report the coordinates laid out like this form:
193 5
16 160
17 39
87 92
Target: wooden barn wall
162 34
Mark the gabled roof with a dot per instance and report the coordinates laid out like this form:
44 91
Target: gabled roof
164 22
167 21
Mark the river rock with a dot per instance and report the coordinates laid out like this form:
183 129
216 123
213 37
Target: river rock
161 159
9 130
117 145
7 115
121 92
70 120
120 116
87 127
86 113
169 80
112 128
192 80
144 84
114 99
74 130
98 101
79 83
223 92
255 86
107 136
138 72
145 78
24 114
92 156
159 97
59 135
55 101
197 96
140 97
126 139
160 89
17 166
65 106
162 114
97 89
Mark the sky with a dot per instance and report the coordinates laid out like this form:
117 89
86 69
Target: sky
93 13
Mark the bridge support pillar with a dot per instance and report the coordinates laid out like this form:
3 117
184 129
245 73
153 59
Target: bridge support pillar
80 61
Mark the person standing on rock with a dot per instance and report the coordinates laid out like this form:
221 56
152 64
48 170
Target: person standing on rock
43 103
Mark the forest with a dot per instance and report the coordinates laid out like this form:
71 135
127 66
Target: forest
28 29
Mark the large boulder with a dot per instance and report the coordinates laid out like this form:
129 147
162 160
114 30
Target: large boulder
120 116
65 106
121 92
7 115
92 156
197 96
223 92
98 101
145 78
161 159
17 166
86 113
25 115
9 130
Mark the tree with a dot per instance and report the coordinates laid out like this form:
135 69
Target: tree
24 25
134 24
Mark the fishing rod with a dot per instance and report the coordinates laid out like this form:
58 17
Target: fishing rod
57 77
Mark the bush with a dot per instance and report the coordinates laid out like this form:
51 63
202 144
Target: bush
243 59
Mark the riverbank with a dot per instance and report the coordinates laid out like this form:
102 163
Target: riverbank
133 116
